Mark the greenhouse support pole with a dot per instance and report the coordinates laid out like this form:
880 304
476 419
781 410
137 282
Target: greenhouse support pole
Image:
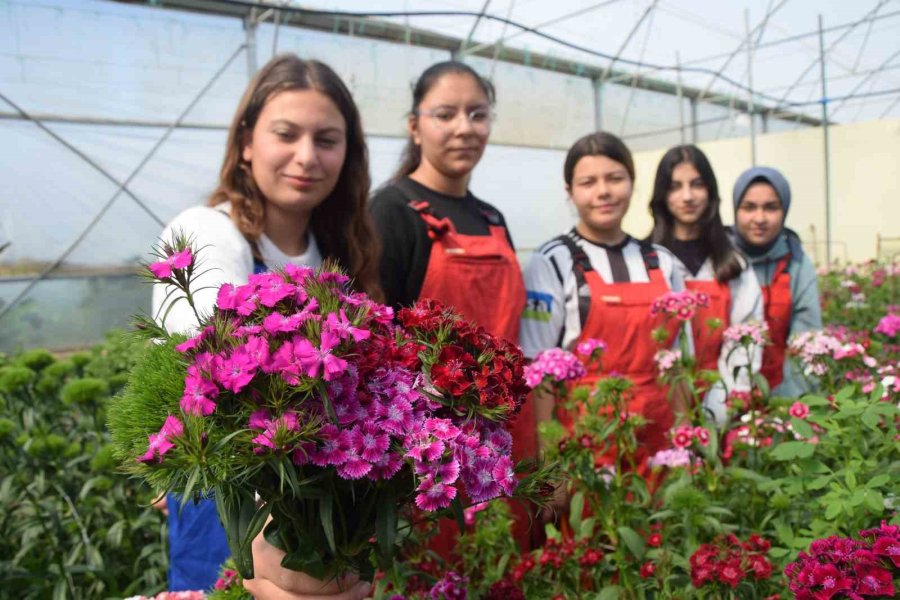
277 20
827 141
680 96
250 23
695 135
750 100
598 104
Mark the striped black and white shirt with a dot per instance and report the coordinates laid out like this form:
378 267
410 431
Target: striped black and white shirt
552 317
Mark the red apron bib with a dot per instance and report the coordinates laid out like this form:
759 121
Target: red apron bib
619 314
479 276
777 304
708 342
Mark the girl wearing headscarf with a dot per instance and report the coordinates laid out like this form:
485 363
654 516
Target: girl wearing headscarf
762 198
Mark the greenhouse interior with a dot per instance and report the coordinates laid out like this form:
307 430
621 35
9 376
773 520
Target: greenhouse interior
569 433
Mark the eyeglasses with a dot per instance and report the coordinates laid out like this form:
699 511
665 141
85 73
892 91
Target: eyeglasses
446 116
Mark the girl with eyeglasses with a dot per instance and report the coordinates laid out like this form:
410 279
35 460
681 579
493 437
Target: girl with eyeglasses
438 240
686 220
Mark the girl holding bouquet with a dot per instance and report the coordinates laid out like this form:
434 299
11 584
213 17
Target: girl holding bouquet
596 281
438 240
686 221
292 190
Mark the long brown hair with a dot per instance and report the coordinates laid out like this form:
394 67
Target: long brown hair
412 153
726 263
341 223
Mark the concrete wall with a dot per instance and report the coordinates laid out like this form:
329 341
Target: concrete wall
865 184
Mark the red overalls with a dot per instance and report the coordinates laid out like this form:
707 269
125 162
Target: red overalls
708 342
619 314
479 276
777 304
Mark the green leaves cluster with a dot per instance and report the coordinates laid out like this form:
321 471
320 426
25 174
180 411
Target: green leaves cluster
841 477
72 526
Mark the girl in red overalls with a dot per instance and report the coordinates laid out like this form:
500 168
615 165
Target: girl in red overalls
685 208
438 240
596 281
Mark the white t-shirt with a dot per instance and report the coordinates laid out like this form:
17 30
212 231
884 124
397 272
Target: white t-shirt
225 255
552 317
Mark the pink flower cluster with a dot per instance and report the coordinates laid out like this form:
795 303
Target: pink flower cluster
671 458
452 586
443 454
812 347
889 325
229 578
845 567
591 347
685 435
176 260
347 388
555 365
680 305
162 442
816 348
666 360
746 333
798 410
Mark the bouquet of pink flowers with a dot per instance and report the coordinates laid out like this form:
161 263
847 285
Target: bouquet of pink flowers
300 402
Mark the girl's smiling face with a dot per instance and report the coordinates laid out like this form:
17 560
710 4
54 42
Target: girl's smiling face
296 150
601 190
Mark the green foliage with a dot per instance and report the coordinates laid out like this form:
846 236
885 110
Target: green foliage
14 380
53 377
115 357
80 359
36 359
72 526
7 427
487 546
104 461
142 407
84 391
837 482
